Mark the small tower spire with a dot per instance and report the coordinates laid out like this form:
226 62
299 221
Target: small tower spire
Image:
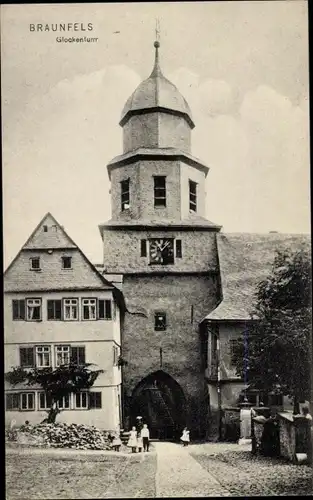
156 69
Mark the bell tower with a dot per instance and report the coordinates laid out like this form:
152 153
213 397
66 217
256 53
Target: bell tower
162 243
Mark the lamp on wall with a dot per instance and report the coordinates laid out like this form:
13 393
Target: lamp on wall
50 252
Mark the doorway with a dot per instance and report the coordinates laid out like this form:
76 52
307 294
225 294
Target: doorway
160 401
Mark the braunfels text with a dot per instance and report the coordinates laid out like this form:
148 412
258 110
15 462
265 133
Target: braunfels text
61 27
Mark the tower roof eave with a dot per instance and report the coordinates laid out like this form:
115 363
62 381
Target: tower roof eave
156 153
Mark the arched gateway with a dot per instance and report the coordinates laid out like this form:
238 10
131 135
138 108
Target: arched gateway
160 400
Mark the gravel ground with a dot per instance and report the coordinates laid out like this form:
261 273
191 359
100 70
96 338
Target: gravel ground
243 474
78 476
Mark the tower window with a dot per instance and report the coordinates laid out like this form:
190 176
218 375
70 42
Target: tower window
160 191
160 321
192 196
125 196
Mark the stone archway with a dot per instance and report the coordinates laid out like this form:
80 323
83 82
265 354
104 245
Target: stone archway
160 400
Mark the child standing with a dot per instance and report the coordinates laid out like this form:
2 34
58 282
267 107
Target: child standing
145 434
132 441
139 442
185 438
116 443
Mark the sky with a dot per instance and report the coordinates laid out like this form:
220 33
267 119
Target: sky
242 66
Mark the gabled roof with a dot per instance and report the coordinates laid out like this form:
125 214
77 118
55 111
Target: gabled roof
50 236
55 237
245 259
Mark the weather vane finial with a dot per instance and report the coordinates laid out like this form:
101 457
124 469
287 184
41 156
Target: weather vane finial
156 70
157 33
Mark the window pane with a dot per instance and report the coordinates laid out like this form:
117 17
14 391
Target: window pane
31 401
86 312
159 202
42 401
24 401
77 400
159 181
84 400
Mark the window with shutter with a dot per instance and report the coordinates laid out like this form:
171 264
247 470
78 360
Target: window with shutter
95 400
12 401
27 357
54 309
18 308
78 355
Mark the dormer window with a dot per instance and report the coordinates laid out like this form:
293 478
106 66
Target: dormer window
125 196
35 263
66 262
192 196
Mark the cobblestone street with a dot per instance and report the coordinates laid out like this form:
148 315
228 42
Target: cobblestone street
169 470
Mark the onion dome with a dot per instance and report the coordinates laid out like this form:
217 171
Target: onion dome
156 93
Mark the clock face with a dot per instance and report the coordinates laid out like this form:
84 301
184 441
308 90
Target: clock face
162 251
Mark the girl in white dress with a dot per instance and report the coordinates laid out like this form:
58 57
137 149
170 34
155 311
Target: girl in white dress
116 443
185 438
132 441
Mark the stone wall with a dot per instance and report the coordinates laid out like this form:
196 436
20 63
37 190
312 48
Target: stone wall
185 300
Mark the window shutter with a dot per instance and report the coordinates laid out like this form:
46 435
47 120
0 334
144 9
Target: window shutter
50 309
108 309
58 309
78 355
95 400
101 309
18 308
22 309
15 309
27 358
178 249
143 248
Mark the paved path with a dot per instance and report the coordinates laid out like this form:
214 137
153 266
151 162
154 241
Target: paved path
180 475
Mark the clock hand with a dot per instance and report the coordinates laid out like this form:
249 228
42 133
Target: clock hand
166 244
